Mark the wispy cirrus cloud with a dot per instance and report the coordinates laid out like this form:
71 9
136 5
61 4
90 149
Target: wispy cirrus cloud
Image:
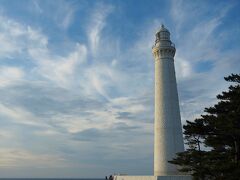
48 97
20 115
202 43
96 24
62 13
59 69
10 75
11 157
18 38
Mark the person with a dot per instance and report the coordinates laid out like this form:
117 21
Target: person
110 177
106 178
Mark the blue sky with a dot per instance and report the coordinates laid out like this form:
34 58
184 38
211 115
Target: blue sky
77 79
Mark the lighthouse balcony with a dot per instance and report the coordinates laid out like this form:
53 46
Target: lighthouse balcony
164 45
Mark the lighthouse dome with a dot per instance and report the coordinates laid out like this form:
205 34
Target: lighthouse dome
162 34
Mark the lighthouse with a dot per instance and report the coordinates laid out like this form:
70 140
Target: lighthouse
168 139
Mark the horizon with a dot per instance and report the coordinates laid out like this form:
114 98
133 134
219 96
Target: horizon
77 80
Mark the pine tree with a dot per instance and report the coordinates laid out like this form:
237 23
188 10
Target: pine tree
214 139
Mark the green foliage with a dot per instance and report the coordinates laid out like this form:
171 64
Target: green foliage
214 139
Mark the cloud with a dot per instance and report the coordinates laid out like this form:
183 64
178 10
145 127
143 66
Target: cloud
68 19
10 31
19 115
60 15
31 43
183 68
96 25
10 157
60 69
91 134
10 75
19 39
101 77
199 44
64 14
37 6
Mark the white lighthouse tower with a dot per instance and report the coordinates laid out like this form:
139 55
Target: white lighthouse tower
168 139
